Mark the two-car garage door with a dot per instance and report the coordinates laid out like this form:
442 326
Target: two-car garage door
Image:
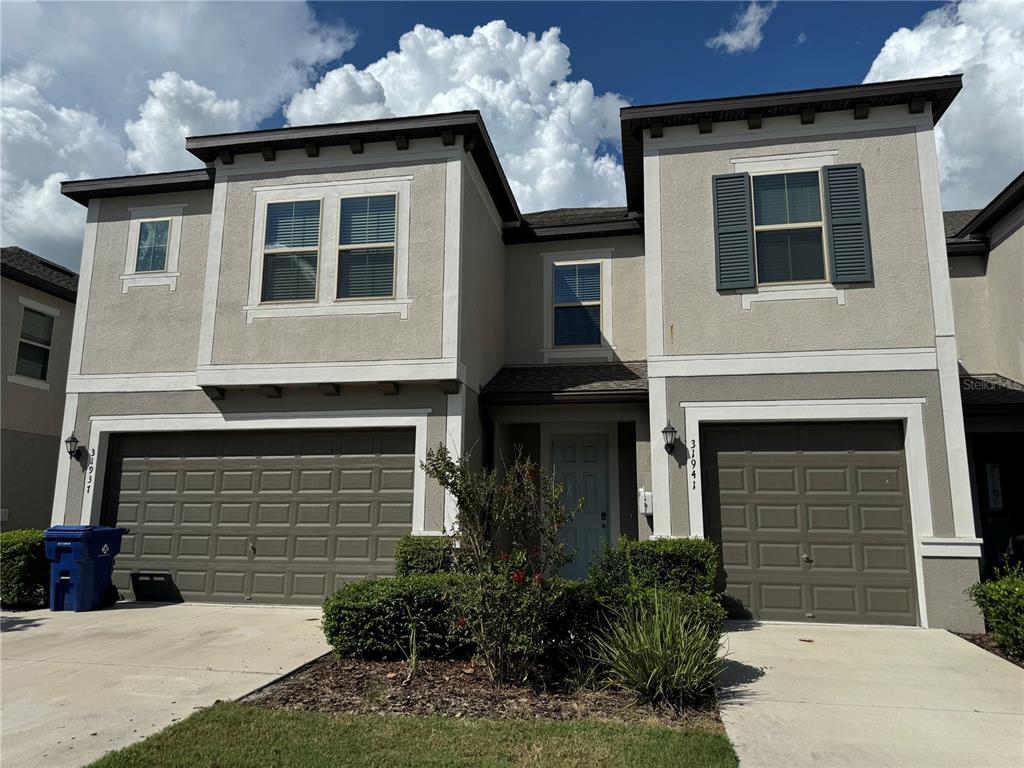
813 520
262 516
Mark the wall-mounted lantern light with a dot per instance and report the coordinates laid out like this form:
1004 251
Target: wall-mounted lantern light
71 443
669 433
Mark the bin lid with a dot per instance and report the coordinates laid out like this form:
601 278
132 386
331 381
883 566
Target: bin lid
76 532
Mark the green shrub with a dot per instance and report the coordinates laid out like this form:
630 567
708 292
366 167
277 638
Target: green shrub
373 619
25 582
661 653
572 616
686 566
424 555
1001 602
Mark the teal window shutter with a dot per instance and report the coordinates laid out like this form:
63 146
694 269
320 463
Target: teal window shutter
734 231
846 220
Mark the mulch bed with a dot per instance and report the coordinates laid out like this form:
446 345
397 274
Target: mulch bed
988 642
455 689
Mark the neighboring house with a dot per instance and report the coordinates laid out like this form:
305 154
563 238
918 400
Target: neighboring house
38 306
267 348
986 264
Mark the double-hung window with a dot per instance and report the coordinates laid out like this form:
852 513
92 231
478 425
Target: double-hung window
290 251
366 247
788 228
34 344
151 253
576 304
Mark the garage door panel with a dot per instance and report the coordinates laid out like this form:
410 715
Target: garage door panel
835 491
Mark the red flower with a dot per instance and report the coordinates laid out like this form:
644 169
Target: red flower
518 576
461 621
539 578
503 557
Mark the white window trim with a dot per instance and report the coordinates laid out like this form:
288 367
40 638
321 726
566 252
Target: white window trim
604 350
170 274
43 309
28 381
46 309
330 195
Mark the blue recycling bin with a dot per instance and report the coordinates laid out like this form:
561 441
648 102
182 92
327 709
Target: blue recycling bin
81 564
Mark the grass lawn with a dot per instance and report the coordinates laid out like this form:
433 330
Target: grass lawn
235 735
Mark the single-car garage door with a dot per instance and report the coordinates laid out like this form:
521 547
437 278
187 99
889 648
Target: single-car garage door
261 516
813 520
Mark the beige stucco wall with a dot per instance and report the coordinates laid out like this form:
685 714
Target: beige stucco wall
1006 293
945 580
895 312
924 384
334 338
149 329
972 313
482 293
31 418
525 299
298 399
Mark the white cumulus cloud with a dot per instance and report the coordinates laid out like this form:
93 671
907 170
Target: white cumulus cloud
980 139
549 130
745 35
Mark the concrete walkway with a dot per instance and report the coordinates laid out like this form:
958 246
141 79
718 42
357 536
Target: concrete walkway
866 696
77 685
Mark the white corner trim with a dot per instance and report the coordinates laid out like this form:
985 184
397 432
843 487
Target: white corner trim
652 255
38 306
792 292
84 284
103 426
907 410
658 409
64 462
455 441
969 548
551 259
171 212
357 372
825 361
28 381
398 307
935 237
138 279
956 437
452 277
212 283
176 381
791 162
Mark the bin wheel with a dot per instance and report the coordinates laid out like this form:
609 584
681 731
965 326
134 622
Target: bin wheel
111 596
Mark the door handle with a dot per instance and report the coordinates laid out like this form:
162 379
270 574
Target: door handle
252 548
804 556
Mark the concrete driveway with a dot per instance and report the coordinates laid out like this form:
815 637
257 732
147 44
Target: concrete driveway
866 696
76 685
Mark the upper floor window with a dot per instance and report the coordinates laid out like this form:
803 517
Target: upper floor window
788 227
290 248
366 247
34 344
576 301
154 238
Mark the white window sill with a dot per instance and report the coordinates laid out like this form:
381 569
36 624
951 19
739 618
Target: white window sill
27 381
793 292
578 353
398 307
139 279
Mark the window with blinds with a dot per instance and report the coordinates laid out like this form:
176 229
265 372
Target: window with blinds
576 298
290 249
34 345
151 255
366 247
788 227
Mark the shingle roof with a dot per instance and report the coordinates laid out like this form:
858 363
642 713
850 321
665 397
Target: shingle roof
563 217
990 389
579 378
954 221
25 267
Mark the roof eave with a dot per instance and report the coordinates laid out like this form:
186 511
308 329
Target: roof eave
1011 196
81 191
33 281
528 234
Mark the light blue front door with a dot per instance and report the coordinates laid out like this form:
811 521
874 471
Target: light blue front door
580 463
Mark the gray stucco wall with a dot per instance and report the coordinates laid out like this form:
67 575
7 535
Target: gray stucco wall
945 580
895 312
525 299
334 338
482 295
28 465
972 316
814 386
1006 293
298 399
149 329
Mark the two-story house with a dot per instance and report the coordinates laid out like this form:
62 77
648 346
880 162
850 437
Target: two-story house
37 301
758 349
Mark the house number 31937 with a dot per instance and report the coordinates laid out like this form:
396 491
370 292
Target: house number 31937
693 462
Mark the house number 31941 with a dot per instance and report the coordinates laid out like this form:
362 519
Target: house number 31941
693 462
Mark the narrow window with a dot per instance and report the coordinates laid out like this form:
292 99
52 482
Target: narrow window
788 230
576 290
290 250
151 255
366 247
34 344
